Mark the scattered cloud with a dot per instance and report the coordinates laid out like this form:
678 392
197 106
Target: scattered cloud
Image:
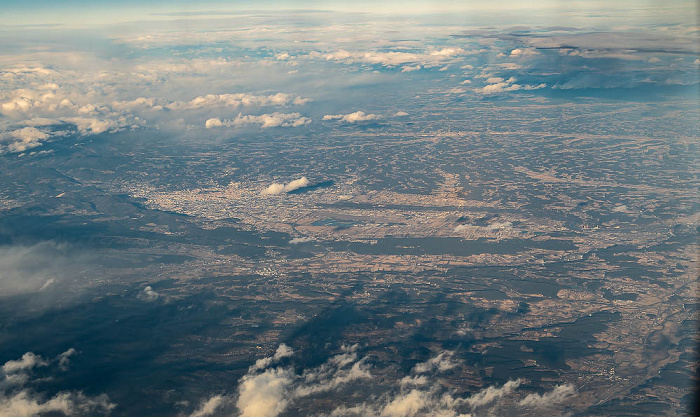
267 391
492 394
209 407
277 188
440 363
559 394
518 52
430 57
265 394
35 268
447 52
28 361
511 66
274 189
265 121
283 351
410 68
237 100
400 114
389 59
358 116
18 398
148 295
26 138
94 126
497 85
213 122
273 386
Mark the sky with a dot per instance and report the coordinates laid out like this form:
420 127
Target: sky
82 12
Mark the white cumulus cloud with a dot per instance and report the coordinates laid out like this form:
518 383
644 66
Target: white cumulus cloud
277 188
358 116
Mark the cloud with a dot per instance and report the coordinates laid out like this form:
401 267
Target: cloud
94 126
491 394
17 400
40 267
28 361
277 188
499 85
265 120
273 386
517 53
94 103
49 282
496 80
209 407
27 403
237 100
510 66
338 370
25 138
430 57
296 184
389 59
64 358
265 394
283 351
30 137
148 295
186 66
358 116
213 122
559 394
410 68
407 405
439 363
400 114
268 391
447 52
274 189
